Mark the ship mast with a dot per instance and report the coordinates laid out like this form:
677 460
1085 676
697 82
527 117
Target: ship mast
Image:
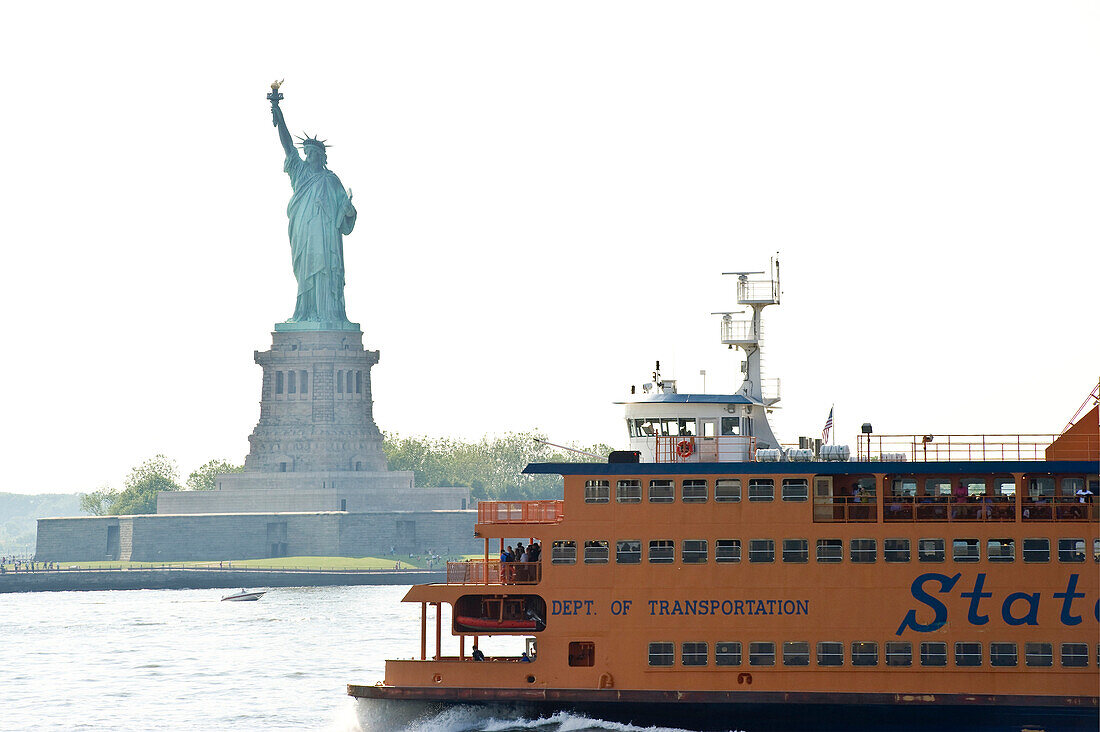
757 293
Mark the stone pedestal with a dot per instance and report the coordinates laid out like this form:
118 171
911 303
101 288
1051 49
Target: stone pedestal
316 410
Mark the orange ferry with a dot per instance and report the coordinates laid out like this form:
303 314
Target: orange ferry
712 577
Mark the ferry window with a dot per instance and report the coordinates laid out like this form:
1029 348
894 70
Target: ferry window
661 551
645 427
968 654
796 489
899 653
582 653
937 487
1002 654
1096 550
1004 487
761 654
708 428
1036 550
1075 655
1071 550
628 551
1001 550
864 551
974 486
660 654
694 654
727 653
933 654
761 550
694 551
830 550
727 490
1038 654
595 552
563 552
761 489
864 653
660 491
966 550
830 653
693 491
628 491
796 653
905 487
1040 487
687 427
278 382
796 551
727 550
1070 486
597 491
731 426
895 550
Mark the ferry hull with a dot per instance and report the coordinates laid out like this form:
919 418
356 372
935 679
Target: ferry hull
771 711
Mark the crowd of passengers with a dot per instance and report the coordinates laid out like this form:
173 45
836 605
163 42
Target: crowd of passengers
518 564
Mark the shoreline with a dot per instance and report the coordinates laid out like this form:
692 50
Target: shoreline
195 578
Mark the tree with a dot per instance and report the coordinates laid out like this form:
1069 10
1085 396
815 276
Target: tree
158 473
98 502
202 479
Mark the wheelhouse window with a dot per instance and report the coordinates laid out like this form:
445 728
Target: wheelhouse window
1002 654
595 552
660 491
661 551
694 653
895 550
796 551
830 550
727 653
693 491
1038 655
1001 550
731 426
933 653
968 654
646 428
1036 550
830 653
628 551
761 550
597 491
899 653
761 654
864 551
965 550
694 551
661 654
563 552
1071 550
727 550
628 491
796 489
864 653
761 490
727 490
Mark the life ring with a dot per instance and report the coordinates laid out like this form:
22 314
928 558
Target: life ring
684 448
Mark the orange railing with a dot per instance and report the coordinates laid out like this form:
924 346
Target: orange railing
691 449
1059 508
520 512
845 509
945 508
942 448
482 572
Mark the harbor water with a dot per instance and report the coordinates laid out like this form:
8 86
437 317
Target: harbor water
182 659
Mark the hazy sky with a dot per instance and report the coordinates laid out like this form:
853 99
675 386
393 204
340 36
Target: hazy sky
547 195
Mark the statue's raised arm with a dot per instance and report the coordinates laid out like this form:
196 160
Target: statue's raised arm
278 121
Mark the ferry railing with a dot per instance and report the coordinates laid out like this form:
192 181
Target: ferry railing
692 449
1058 508
758 291
945 508
845 509
482 572
738 331
943 448
520 512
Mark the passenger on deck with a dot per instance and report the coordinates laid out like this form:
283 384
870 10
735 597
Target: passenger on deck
478 655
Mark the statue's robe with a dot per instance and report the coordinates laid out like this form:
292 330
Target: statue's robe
320 214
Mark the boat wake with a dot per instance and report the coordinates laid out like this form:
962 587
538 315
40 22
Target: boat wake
377 715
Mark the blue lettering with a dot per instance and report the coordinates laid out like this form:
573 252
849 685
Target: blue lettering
727 607
771 607
803 607
587 607
577 607
689 607
917 590
652 607
616 607
626 606
664 607
1033 609
760 609
975 598
738 607
676 610
555 607
1067 603
704 607
714 607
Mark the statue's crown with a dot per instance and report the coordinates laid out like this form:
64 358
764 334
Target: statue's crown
307 140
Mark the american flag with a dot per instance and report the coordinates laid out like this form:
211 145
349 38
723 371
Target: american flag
828 427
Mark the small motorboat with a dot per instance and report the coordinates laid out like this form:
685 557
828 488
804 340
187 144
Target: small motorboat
244 596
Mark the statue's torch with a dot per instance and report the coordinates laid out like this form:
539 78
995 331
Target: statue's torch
274 97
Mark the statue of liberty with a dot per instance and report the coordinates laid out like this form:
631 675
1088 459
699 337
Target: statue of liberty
320 214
